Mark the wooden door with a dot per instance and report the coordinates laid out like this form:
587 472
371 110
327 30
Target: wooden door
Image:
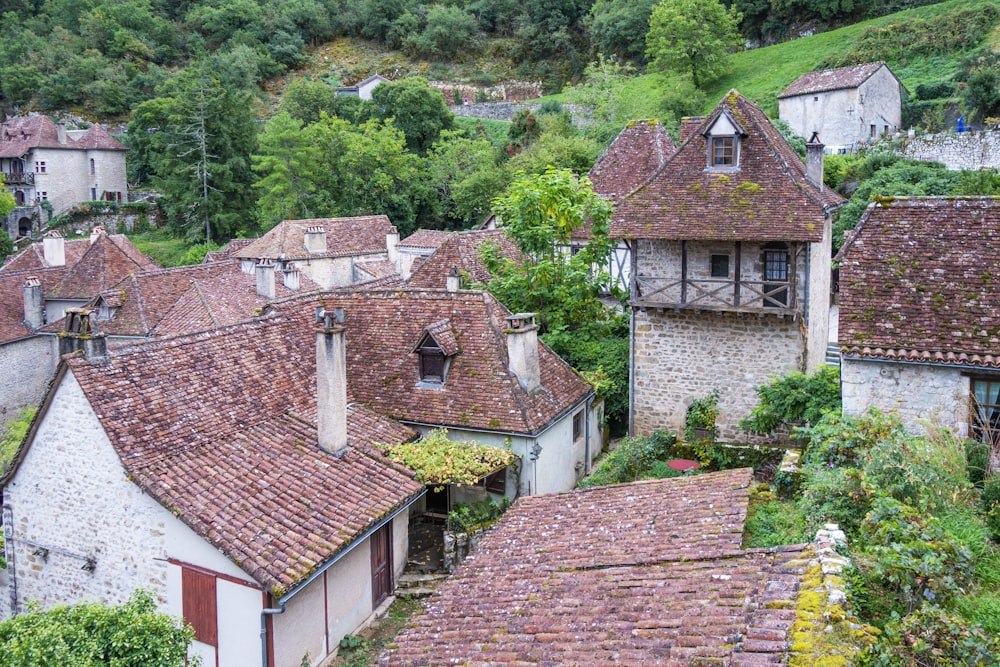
381 545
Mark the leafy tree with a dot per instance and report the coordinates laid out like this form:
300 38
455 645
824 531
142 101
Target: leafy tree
692 37
418 110
616 28
453 168
306 100
7 202
540 213
552 149
285 162
195 142
82 635
449 33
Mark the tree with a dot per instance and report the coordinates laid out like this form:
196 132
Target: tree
81 635
194 142
418 110
453 166
692 37
616 28
284 164
7 202
540 213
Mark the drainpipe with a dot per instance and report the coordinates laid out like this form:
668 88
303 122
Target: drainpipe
8 534
264 613
586 436
634 247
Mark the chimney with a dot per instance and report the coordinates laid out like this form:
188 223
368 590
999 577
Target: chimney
454 280
814 161
54 249
292 277
80 333
522 350
315 240
265 279
96 233
331 382
33 314
61 133
391 240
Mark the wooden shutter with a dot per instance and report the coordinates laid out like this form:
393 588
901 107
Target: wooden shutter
200 607
381 546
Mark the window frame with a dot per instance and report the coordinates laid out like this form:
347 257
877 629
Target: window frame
430 352
990 434
578 426
730 150
714 269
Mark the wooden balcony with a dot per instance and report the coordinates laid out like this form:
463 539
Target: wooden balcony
18 178
715 294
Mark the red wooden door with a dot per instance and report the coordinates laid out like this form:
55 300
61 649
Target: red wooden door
381 541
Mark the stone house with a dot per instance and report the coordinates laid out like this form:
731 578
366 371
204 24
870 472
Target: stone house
459 256
730 245
363 89
844 106
457 359
36 287
919 330
226 472
616 575
417 247
330 251
42 161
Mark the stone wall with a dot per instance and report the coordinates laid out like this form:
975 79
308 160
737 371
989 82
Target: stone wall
679 356
918 394
968 150
28 366
506 110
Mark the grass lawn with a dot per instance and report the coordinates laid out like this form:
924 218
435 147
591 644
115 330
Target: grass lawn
160 246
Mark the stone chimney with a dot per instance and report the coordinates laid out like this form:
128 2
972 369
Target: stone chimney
522 350
331 382
265 279
292 277
315 240
391 241
34 316
454 280
96 233
61 133
814 161
54 249
80 333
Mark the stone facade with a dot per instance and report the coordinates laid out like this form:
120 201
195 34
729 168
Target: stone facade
27 366
680 356
968 150
919 394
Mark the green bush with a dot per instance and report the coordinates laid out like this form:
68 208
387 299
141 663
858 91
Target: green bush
12 434
701 414
933 636
977 458
462 518
794 398
632 460
990 502
772 522
837 440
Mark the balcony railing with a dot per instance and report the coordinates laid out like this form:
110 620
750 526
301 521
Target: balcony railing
715 294
19 178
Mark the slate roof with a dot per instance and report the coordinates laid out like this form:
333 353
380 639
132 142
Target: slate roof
108 259
360 235
648 573
637 153
919 282
767 198
33 257
383 326
832 79
23 133
187 299
461 249
234 454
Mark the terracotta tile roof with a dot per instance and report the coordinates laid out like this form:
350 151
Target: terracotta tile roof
689 125
361 235
12 299
918 281
33 257
233 453
383 326
461 249
649 573
637 153
425 238
108 259
21 134
98 138
831 79
767 198
376 268
226 252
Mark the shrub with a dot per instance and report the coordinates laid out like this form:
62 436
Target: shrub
462 518
772 522
933 636
840 440
977 458
797 397
632 460
990 502
701 414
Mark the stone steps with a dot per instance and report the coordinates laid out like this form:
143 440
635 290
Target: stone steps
417 585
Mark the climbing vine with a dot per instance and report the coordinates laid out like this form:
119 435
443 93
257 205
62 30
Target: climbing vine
438 460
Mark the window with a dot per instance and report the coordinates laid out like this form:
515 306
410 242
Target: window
93 167
885 128
200 605
776 261
873 131
495 483
578 426
40 167
431 361
18 198
720 266
45 196
723 151
93 194
985 418
815 98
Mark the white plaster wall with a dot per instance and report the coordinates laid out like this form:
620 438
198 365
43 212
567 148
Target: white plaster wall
405 257
349 593
56 308
817 311
300 628
331 272
239 624
918 394
110 175
26 366
880 102
679 356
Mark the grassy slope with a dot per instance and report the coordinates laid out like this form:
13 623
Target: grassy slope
761 74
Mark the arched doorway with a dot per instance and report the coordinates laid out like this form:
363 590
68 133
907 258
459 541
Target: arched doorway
24 227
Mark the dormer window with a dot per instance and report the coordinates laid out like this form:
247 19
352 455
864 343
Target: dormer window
723 135
435 350
723 152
